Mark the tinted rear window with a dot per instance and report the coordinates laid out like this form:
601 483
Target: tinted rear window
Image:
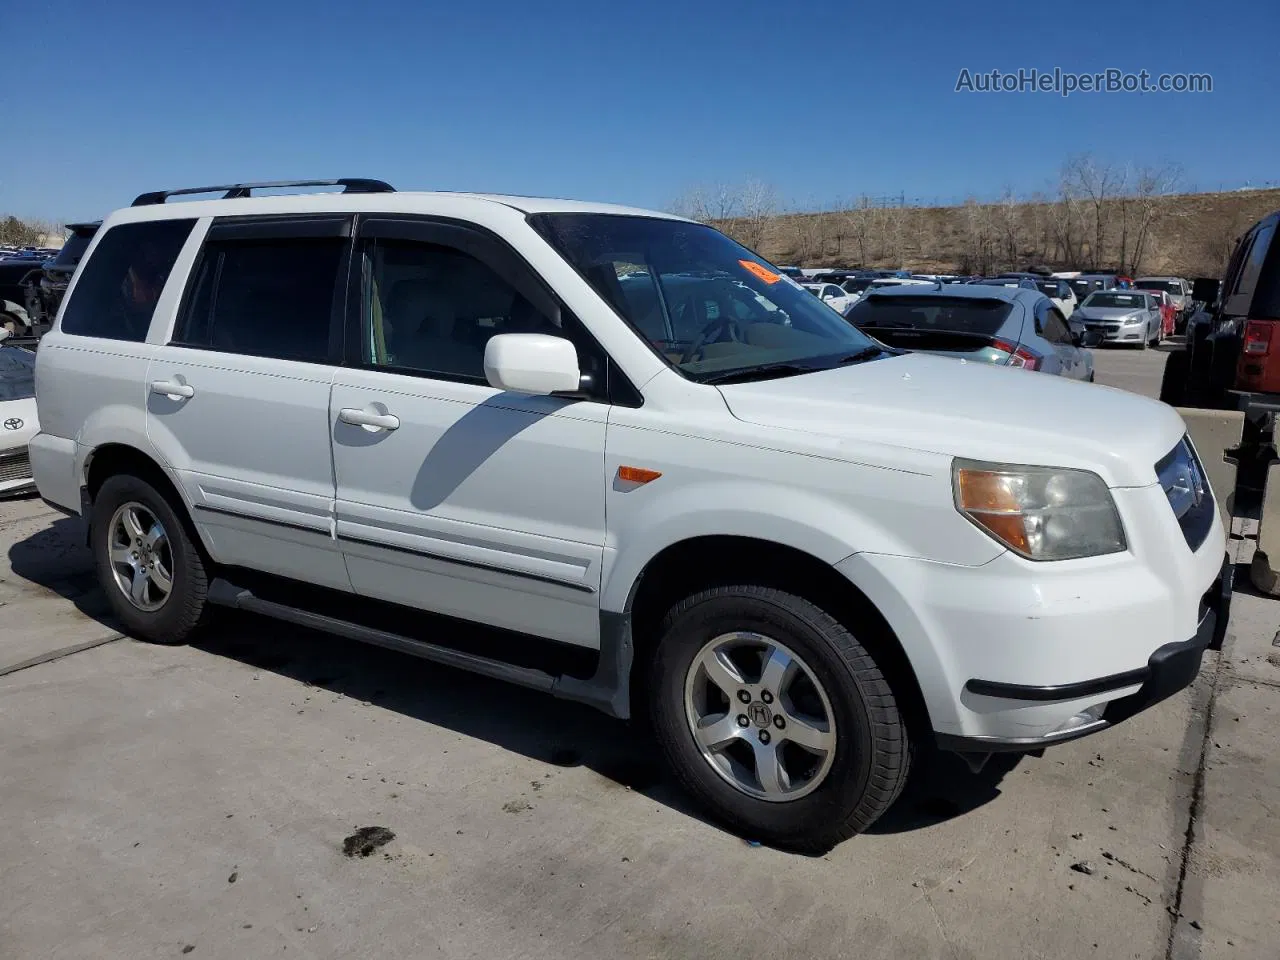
950 314
271 298
120 284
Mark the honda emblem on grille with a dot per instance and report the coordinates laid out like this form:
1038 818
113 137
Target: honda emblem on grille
13 423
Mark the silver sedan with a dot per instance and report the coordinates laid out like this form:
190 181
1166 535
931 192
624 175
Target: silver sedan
1121 316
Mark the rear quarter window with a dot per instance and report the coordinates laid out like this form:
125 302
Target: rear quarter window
950 314
121 282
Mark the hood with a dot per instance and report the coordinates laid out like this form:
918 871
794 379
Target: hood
972 410
1110 313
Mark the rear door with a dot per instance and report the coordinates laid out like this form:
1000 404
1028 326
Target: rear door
1052 328
454 496
238 398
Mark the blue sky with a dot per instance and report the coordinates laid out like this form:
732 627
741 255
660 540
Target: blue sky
630 102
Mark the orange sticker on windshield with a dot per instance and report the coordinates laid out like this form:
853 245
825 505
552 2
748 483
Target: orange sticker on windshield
768 276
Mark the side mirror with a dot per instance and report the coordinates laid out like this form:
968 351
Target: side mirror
532 363
1205 289
1091 338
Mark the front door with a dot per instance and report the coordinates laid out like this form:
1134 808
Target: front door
453 496
238 398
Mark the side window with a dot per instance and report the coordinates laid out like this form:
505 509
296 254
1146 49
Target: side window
1055 327
1252 267
431 309
264 298
119 285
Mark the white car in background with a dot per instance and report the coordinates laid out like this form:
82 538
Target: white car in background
833 296
18 423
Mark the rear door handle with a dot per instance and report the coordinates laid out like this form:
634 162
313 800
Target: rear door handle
172 389
363 418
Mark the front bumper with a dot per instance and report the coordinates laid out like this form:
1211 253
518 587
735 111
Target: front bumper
1169 669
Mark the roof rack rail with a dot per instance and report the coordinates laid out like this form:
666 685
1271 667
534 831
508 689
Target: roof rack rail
236 190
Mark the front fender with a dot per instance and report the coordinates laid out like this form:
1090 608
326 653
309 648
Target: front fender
644 522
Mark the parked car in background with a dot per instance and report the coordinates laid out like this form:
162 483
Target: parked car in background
1179 291
1060 292
795 273
1167 313
1086 283
1020 283
46 291
881 282
1008 326
857 285
1121 316
18 421
17 273
834 297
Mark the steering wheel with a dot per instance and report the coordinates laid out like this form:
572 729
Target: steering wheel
714 332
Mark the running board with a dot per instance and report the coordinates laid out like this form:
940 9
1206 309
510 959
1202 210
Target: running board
606 690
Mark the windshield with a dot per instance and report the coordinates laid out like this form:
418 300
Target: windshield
1084 287
706 304
17 374
973 315
1128 301
1049 289
1168 286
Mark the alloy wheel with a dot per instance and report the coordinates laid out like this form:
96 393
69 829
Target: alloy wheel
141 556
759 716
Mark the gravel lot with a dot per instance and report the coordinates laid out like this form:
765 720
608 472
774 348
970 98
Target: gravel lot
158 802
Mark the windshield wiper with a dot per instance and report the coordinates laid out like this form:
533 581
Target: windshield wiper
769 371
866 353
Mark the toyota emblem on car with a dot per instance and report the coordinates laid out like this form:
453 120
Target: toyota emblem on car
13 423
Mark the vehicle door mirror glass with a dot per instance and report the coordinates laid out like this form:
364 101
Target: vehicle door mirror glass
531 363
1205 289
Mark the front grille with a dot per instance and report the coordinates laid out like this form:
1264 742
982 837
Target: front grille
1186 487
15 466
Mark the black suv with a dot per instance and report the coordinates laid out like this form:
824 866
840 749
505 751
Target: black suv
45 291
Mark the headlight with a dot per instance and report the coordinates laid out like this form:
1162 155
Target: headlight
1042 513
1133 321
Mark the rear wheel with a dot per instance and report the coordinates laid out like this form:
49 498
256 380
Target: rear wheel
147 564
776 718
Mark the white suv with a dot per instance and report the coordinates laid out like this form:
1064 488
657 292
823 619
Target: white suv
799 553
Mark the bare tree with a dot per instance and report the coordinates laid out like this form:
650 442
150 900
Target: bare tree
980 237
1096 182
1152 185
757 205
860 227
1009 215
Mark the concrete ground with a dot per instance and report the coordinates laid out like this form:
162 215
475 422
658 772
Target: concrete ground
157 802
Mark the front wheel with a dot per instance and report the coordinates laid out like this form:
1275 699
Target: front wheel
776 717
147 564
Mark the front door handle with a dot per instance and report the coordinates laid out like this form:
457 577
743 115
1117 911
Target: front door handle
363 418
172 389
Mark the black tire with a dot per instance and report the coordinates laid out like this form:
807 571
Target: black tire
872 756
1173 383
181 611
